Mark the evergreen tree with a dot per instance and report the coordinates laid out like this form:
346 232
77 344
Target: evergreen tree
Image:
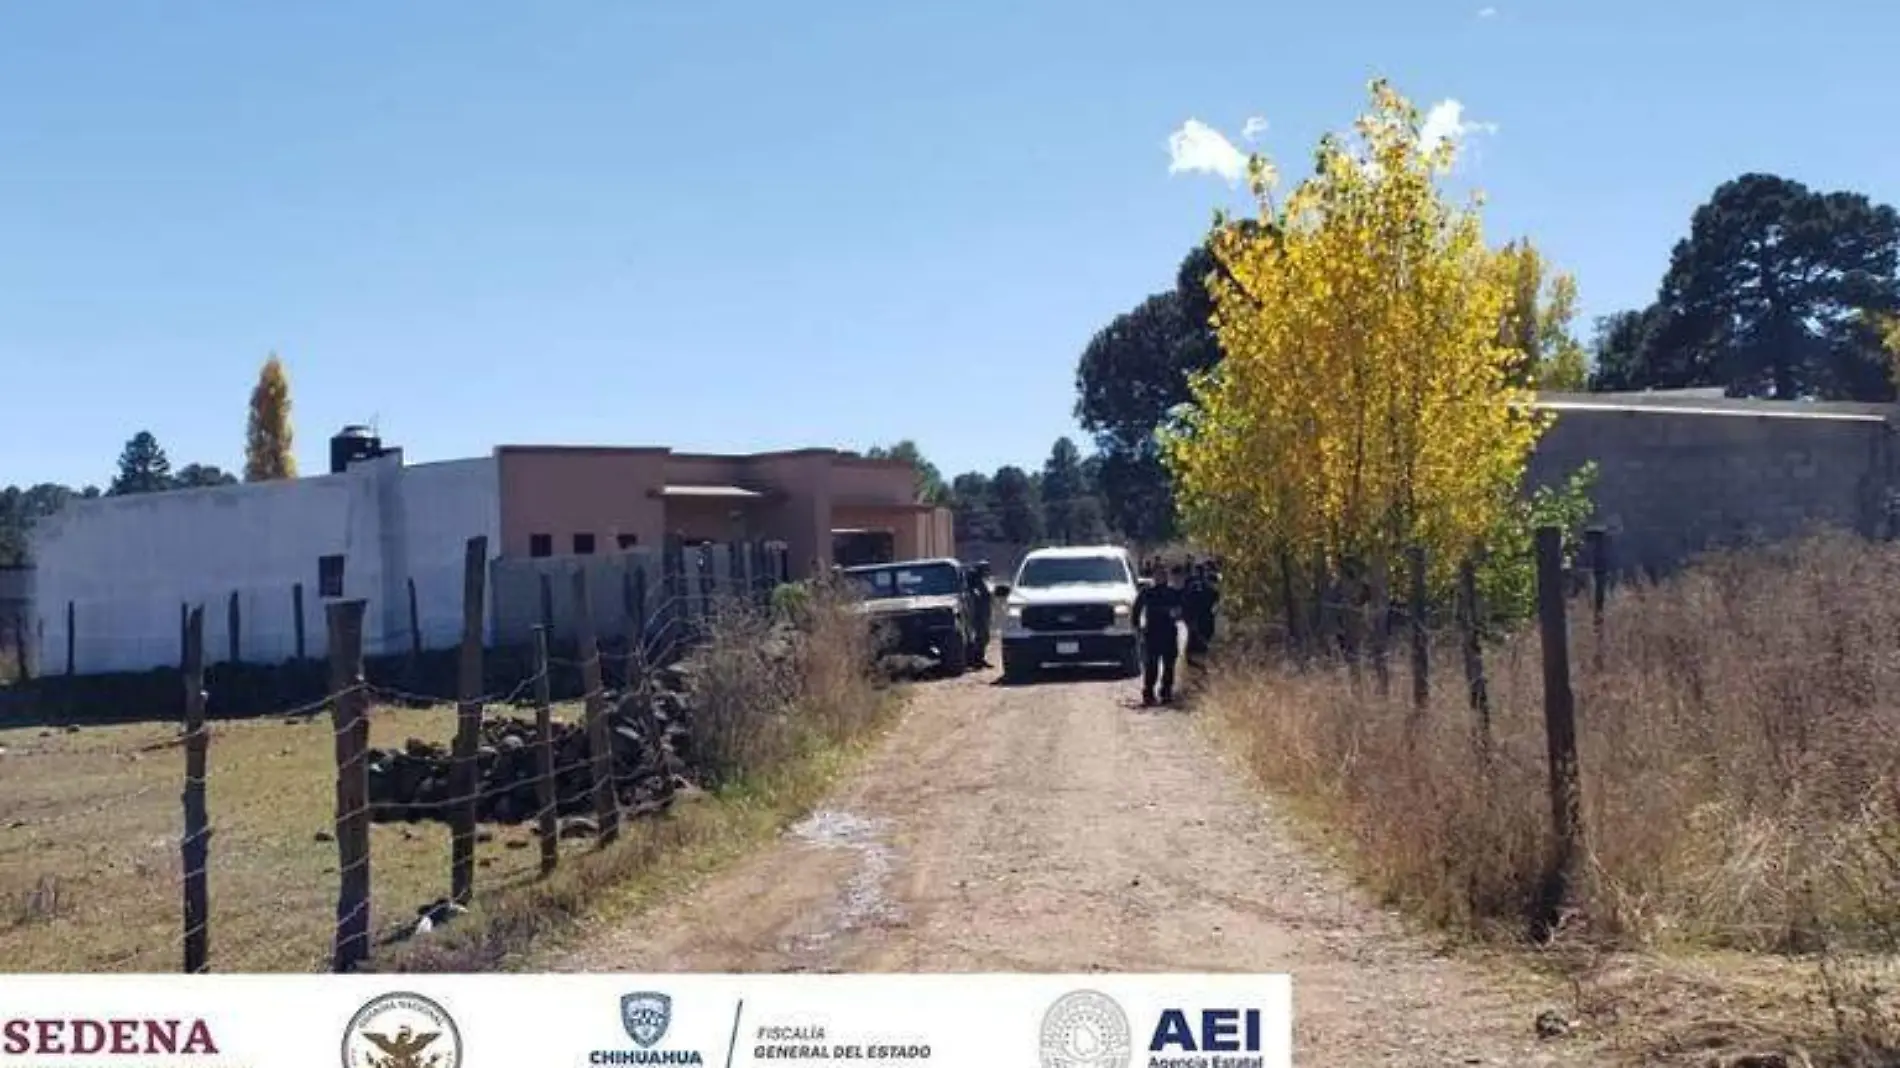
143 467
1013 497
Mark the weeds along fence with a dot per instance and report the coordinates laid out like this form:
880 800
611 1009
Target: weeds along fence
573 781
1367 618
1710 758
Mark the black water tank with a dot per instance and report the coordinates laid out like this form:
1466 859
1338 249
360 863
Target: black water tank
353 443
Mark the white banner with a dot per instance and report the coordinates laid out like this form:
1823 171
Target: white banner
628 1021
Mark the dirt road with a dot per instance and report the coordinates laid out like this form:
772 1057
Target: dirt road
1062 827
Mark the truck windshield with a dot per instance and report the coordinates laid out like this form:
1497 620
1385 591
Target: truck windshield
927 580
1043 571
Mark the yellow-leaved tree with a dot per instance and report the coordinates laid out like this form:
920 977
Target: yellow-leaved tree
1367 398
1889 329
267 438
1537 318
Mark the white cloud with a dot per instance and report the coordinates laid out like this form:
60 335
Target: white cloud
1446 122
1197 148
1487 12
1253 129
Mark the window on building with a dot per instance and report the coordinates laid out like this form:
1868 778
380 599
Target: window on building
540 545
330 576
583 545
628 541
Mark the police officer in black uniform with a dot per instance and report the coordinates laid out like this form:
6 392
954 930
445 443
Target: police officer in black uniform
982 602
1157 612
1197 605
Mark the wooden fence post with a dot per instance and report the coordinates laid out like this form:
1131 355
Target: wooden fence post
599 743
1295 630
1379 616
349 706
72 657
468 723
196 845
638 634
184 633
547 603
1421 639
1598 542
673 582
1470 625
544 794
1352 617
1321 628
296 611
1560 728
704 557
735 572
19 647
415 634
233 625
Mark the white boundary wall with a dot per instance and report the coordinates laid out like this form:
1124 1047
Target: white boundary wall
127 563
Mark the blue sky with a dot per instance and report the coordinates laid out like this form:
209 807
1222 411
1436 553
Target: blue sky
726 226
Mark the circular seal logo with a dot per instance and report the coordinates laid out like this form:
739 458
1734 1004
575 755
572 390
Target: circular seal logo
1085 1029
402 1031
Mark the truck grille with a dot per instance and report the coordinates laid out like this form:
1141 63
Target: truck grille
1069 616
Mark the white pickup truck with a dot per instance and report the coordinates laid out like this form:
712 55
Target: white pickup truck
1073 605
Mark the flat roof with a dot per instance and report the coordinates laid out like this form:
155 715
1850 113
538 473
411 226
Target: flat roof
1757 410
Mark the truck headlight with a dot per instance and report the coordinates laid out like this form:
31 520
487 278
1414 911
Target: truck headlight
1122 610
1014 611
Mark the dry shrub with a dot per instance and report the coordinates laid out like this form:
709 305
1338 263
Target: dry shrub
1740 754
766 691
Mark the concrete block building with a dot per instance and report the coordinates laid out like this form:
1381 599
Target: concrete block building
374 524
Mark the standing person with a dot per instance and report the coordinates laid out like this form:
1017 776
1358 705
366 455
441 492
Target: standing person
1198 606
982 602
1157 615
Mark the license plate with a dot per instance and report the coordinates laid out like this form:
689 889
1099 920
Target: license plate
1068 648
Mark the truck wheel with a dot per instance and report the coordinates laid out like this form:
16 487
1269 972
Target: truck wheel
956 655
1015 668
1131 661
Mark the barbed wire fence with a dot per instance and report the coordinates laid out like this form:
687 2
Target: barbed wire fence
572 767
1349 618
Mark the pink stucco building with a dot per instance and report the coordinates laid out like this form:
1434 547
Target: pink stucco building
560 499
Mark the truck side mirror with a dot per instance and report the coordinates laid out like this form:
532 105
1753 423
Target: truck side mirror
1001 589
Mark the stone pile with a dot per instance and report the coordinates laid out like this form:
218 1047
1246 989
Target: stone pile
650 742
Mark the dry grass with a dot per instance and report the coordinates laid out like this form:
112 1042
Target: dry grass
774 735
90 823
90 867
1740 752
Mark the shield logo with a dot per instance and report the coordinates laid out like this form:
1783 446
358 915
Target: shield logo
646 1015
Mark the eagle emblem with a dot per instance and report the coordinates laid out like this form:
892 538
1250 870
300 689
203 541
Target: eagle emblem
402 1051
644 1014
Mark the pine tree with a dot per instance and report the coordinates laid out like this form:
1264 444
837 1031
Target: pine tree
143 467
267 441
1018 512
1063 492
